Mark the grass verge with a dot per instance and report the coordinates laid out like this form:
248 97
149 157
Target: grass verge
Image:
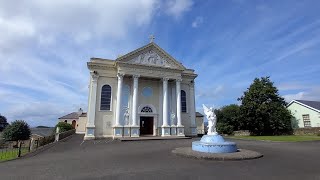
292 138
8 154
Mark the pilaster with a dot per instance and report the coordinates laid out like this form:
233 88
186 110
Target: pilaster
90 126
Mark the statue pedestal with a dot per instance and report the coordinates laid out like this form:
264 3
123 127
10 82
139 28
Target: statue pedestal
214 144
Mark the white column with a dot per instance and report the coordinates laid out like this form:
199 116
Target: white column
165 102
90 126
135 100
178 95
165 127
193 110
119 94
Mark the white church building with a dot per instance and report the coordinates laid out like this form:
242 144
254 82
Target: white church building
143 93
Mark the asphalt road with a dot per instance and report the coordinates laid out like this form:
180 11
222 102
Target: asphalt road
107 159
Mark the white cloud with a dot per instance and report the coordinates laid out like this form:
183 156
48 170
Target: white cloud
211 92
296 96
44 47
197 22
312 94
176 8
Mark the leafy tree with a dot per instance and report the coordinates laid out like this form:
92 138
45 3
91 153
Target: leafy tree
17 130
263 111
63 126
228 119
3 122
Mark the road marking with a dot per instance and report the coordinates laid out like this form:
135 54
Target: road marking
82 143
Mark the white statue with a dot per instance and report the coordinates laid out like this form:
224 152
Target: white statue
212 120
126 116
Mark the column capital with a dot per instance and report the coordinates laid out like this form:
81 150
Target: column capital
178 80
136 76
120 75
165 79
94 75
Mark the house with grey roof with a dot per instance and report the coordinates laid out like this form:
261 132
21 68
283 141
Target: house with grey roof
307 113
78 120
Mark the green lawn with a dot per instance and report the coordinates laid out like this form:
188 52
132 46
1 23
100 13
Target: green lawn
291 138
8 154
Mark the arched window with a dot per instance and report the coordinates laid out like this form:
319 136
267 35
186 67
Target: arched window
146 109
105 98
183 101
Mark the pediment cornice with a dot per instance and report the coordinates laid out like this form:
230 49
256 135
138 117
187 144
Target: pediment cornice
151 55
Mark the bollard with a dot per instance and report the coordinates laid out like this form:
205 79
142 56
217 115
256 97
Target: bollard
19 150
57 134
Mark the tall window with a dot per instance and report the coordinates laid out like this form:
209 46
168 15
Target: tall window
105 98
183 101
306 120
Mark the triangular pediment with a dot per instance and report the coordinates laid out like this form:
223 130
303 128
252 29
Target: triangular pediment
151 55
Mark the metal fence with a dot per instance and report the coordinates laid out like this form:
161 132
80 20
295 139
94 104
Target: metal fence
13 149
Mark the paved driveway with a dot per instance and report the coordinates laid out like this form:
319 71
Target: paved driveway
106 159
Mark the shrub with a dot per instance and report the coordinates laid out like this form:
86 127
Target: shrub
224 128
63 127
228 119
17 130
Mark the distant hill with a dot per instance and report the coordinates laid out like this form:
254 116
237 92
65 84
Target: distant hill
43 127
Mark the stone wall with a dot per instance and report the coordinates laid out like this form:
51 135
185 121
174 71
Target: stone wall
66 134
307 131
241 133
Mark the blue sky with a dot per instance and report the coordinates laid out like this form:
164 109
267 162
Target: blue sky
45 45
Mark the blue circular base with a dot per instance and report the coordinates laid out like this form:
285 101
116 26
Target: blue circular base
214 144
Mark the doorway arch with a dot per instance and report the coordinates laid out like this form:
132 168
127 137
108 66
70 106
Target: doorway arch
74 124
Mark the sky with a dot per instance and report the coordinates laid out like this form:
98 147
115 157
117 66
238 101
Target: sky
44 47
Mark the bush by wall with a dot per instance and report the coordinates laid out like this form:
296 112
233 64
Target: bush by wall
63 127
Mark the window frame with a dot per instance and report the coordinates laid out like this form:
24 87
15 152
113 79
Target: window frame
110 98
306 120
186 106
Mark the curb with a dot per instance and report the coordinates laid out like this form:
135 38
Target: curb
241 154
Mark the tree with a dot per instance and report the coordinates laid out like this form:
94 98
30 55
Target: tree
263 111
3 122
16 131
228 119
63 126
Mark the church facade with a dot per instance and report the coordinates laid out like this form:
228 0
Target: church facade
143 93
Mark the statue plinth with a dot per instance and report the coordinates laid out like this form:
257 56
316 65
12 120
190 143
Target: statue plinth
214 144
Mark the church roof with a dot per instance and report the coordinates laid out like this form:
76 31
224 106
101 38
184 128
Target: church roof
155 50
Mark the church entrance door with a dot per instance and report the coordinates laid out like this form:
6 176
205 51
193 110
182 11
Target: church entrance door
146 125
